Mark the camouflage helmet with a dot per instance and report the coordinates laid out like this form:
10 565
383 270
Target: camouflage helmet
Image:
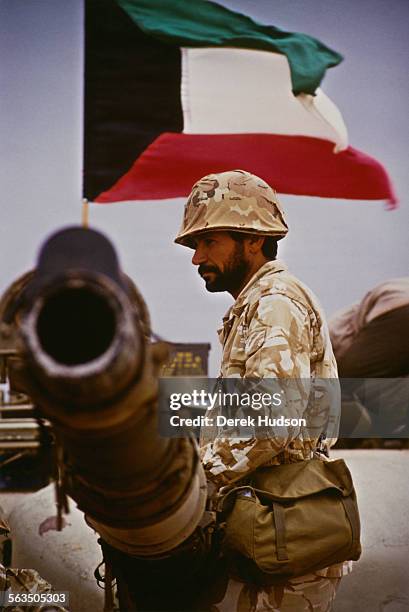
236 201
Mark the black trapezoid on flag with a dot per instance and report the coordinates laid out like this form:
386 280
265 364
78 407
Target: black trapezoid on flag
131 93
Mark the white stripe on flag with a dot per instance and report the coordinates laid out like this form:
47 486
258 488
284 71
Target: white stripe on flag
228 91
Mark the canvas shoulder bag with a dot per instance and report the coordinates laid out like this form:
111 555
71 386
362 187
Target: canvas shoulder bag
290 520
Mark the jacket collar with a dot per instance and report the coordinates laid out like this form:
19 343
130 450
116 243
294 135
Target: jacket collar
270 267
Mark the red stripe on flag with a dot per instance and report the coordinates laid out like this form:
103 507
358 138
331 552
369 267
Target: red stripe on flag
296 165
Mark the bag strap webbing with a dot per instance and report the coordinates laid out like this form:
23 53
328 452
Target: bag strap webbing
279 521
350 509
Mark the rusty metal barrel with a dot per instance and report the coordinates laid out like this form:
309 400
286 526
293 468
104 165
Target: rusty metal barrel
86 359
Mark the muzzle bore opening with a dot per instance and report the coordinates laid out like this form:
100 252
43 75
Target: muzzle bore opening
76 325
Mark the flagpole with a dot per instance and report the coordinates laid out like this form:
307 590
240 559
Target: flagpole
85 213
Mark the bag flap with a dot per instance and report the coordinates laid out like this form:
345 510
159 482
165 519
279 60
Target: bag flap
291 481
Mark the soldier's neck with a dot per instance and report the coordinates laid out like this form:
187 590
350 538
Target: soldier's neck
254 267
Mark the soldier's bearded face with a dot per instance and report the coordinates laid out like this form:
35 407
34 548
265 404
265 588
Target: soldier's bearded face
222 261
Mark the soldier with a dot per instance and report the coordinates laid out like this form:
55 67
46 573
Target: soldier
275 329
370 337
370 342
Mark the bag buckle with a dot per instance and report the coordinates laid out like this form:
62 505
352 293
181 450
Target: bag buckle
321 448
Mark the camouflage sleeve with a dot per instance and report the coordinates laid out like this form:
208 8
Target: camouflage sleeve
25 582
277 345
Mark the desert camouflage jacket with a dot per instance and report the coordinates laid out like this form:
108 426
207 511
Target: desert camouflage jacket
275 329
26 585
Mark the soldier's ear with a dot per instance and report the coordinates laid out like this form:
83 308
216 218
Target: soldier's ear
255 244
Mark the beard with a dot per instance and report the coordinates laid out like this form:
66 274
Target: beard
232 277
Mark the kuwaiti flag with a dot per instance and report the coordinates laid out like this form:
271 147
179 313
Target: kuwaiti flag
176 89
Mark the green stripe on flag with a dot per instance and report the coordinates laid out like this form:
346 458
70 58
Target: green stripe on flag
198 23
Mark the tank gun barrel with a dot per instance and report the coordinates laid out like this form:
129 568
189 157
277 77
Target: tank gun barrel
86 359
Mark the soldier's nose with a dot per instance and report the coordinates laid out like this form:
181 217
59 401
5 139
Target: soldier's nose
198 257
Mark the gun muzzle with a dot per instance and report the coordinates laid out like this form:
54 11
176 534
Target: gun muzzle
82 339
87 362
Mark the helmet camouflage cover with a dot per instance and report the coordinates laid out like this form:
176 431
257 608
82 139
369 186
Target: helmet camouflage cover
236 201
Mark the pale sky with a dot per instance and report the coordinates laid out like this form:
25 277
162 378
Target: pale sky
340 248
